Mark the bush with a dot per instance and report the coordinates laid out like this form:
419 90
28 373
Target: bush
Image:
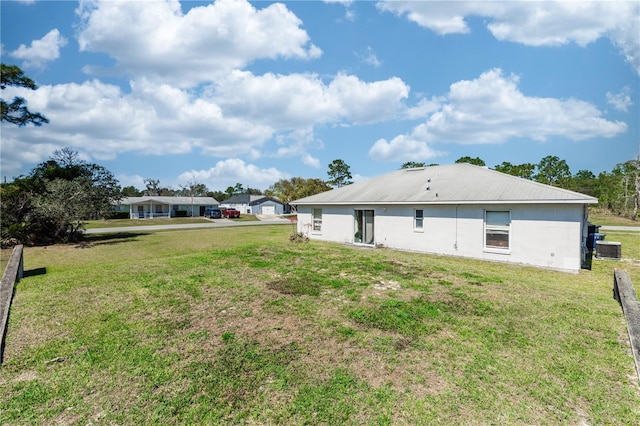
119 215
181 213
298 237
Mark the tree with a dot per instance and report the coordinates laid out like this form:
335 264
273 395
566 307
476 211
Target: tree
295 188
252 191
412 164
553 171
477 161
17 112
584 181
131 191
52 202
619 190
60 209
152 187
193 188
524 170
339 174
217 195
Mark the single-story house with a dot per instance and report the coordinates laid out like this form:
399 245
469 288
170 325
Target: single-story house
153 206
459 210
254 204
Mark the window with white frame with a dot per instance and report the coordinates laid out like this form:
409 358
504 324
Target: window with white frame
418 219
497 230
317 220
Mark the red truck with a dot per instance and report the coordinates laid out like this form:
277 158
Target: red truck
230 212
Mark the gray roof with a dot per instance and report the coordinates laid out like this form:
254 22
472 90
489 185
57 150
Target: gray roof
449 184
182 201
250 199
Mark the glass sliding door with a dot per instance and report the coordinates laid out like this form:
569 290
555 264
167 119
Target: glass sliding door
363 227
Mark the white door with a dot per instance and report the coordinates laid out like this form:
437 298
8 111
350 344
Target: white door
268 209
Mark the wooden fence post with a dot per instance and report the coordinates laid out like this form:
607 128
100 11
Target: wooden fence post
625 294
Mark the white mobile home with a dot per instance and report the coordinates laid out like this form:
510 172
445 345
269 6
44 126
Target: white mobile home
149 207
459 210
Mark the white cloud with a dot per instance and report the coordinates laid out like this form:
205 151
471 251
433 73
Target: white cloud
540 23
41 51
157 40
342 2
620 101
402 148
370 58
423 108
491 109
310 161
136 181
231 171
234 118
301 100
103 121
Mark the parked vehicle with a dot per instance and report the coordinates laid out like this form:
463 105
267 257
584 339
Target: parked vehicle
213 213
230 212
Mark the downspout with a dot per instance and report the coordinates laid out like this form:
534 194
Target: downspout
584 233
455 245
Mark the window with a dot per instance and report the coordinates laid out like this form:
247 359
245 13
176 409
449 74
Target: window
418 219
496 225
317 220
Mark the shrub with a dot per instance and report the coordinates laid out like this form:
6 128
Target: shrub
119 215
298 237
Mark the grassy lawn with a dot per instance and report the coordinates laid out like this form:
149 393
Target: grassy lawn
240 326
116 223
603 217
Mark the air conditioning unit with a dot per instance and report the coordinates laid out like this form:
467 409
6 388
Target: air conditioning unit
608 250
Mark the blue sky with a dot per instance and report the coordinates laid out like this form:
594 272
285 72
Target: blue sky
253 92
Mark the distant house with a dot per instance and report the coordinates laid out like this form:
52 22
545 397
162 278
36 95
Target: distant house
156 206
254 204
459 210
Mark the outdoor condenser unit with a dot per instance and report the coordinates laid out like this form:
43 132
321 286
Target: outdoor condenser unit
608 250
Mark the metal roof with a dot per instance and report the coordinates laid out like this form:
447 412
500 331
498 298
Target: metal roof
183 201
448 184
250 199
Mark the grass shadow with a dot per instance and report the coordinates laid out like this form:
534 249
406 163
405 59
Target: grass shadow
109 239
34 272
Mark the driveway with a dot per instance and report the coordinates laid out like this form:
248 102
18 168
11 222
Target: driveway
221 224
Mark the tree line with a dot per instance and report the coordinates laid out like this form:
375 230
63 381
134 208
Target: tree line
617 191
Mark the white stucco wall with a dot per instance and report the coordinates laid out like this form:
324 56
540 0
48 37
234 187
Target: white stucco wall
548 236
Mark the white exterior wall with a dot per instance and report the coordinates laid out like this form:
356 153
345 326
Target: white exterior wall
245 208
548 236
277 207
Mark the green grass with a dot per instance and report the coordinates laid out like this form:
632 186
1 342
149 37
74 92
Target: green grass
240 326
604 217
118 223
